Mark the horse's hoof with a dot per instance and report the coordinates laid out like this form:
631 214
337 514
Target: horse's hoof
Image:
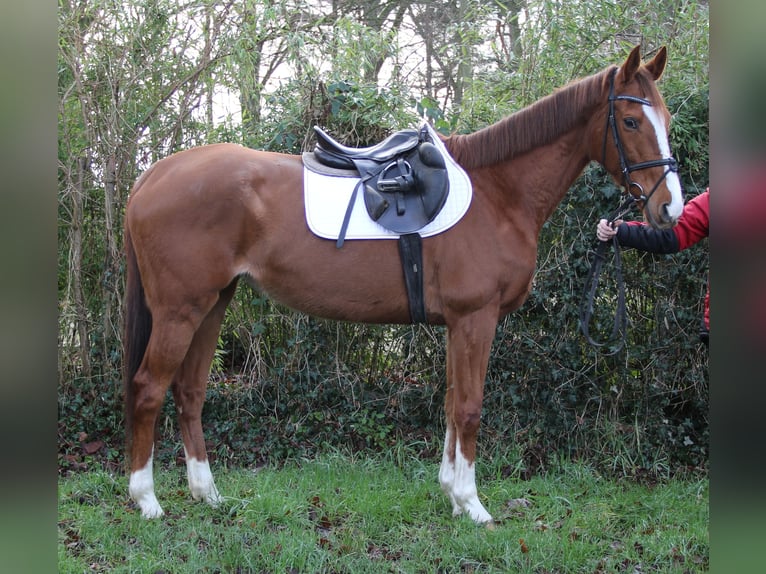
151 511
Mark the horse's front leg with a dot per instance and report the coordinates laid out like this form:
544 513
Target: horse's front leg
469 340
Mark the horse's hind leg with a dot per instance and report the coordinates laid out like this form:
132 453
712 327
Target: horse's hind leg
172 334
189 395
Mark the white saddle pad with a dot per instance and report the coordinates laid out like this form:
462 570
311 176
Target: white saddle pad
326 198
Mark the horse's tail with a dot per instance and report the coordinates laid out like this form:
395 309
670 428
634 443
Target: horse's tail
137 327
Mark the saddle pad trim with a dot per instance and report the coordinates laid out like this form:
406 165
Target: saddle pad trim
327 196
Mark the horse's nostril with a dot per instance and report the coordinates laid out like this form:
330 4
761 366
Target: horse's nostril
665 213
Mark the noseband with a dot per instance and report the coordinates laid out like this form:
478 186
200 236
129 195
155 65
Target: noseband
625 167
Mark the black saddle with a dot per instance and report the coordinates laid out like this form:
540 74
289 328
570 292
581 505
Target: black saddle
404 178
334 154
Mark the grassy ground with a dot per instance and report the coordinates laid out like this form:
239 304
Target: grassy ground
343 514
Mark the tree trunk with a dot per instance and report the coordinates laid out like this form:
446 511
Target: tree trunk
81 310
111 255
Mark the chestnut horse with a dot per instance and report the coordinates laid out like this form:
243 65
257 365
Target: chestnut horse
200 219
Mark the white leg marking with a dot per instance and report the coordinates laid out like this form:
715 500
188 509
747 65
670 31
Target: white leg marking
672 181
201 481
464 489
141 489
458 481
447 475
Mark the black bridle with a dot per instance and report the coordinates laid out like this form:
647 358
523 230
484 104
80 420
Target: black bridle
619 326
627 168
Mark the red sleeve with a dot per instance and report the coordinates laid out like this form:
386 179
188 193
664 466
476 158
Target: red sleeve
693 225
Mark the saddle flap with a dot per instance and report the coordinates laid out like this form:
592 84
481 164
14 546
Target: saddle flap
409 192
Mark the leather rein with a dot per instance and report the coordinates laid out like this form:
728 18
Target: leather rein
619 326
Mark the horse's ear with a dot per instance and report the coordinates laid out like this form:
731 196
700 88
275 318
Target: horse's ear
630 67
657 64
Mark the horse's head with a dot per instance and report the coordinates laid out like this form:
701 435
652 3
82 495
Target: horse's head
635 147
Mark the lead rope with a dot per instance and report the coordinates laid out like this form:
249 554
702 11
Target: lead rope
620 322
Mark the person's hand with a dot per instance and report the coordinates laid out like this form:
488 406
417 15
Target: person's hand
605 231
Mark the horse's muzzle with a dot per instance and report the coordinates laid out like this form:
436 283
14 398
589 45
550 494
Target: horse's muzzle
665 217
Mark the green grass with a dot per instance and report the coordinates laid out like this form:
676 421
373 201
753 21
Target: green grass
365 513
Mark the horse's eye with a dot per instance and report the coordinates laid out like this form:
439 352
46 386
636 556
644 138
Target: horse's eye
631 123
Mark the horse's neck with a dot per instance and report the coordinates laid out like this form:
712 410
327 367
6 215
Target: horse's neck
537 181
525 165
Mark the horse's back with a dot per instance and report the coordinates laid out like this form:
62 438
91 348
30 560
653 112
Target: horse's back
208 183
213 168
